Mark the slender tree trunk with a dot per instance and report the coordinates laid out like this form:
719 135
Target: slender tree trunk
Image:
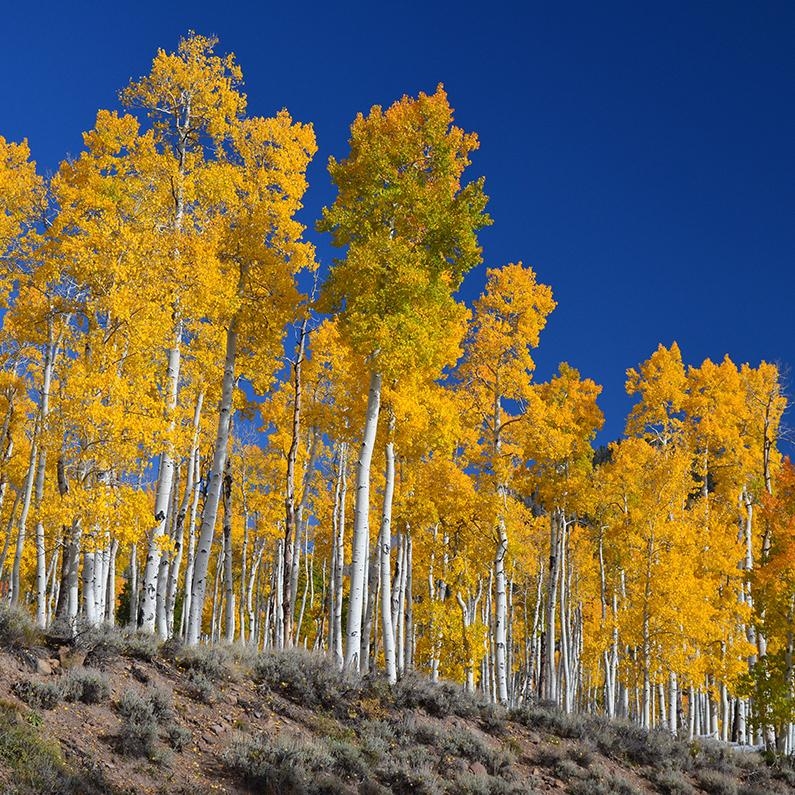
291 523
191 544
133 617
408 664
386 563
163 493
44 409
361 527
202 559
335 643
23 520
229 585
550 679
500 615
167 560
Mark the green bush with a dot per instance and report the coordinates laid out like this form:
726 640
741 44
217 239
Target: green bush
552 720
36 763
305 678
200 687
139 728
84 684
178 737
39 695
210 661
276 765
672 782
17 628
716 783
438 699
597 785
471 784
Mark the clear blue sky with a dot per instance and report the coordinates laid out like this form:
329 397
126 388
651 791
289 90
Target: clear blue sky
638 155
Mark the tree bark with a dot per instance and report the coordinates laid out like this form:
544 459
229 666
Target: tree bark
386 563
361 527
165 478
202 559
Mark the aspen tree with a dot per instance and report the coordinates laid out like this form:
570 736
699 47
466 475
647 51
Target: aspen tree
192 97
260 248
409 227
497 368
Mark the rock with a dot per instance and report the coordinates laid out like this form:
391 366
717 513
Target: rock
71 658
43 667
140 675
478 769
54 664
217 728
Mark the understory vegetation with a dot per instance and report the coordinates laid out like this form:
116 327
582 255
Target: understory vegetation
306 727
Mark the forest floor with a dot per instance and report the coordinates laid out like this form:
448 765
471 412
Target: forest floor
114 712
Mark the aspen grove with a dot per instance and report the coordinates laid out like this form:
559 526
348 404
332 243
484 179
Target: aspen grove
210 438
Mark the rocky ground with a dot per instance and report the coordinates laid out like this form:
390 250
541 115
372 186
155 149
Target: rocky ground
114 712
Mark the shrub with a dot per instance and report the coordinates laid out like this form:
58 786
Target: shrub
622 740
716 757
17 628
139 728
467 745
178 736
84 684
282 764
581 754
596 785
471 784
35 763
672 782
550 756
305 678
348 759
375 737
552 720
410 774
716 783
492 719
104 642
140 645
210 661
39 695
200 687
438 699
160 699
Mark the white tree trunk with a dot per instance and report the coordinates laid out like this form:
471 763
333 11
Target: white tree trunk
229 585
191 545
361 527
133 616
110 591
673 704
23 520
501 615
202 559
41 560
386 567
163 493
89 577
339 557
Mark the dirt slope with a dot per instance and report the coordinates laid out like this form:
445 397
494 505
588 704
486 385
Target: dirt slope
169 720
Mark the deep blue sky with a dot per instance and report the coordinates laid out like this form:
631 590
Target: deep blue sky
639 156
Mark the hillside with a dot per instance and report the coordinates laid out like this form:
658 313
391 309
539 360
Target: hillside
113 712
